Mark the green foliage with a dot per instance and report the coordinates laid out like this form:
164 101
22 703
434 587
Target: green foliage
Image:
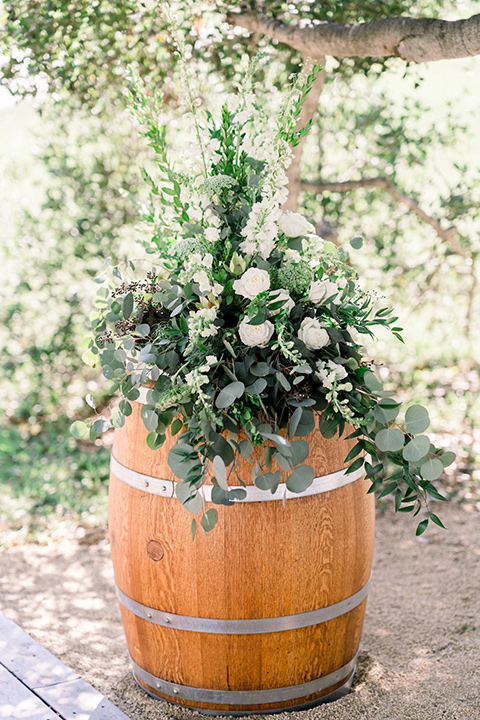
47 478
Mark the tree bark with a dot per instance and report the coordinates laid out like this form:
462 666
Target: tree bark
308 111
413 40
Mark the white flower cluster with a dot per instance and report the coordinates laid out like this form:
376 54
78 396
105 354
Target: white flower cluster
197 377
261 229
194 269
200 324
330 372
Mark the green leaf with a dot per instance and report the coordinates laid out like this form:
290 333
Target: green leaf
209 519
117 419
101 425
176 426
257 387
300 478
447 458
300 451
421 527
417 448
125 407
294 421
283 462
388 489
219 446
237 494
434 518
229 394
127 305
283 381
385 413
359 462
149 417
194 528
245 448
220 472
432 469
306 424
142 329
372 382
266 480
79 429
260 369
155 441
416 419
390 440
356 242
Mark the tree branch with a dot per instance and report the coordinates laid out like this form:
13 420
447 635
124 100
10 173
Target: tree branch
308 111
450 235
412 39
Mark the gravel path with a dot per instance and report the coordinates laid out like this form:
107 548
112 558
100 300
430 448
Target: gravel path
420 652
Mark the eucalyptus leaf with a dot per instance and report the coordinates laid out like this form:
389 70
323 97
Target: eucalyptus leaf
256 387
220 472
447 458
209 519
260 369
372 382
416 419
127 305
390 440
229 394
431 469
300 478
417 448
79 429
294 421
300 451
149 417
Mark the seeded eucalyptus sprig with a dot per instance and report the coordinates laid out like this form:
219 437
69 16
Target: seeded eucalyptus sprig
246 327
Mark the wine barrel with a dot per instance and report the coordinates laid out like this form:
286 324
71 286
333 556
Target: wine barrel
264 613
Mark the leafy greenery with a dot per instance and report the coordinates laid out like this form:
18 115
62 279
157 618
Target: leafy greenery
229 341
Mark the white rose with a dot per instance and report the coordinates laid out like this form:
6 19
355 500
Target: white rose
293 224
255 335
313 334
322 289
276 296
252 282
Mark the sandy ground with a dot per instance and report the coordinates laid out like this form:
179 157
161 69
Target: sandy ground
420 651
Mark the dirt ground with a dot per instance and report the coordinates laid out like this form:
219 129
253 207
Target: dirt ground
420 651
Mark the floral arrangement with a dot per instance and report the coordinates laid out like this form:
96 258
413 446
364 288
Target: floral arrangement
246 326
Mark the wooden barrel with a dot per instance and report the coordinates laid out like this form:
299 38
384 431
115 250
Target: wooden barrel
263 614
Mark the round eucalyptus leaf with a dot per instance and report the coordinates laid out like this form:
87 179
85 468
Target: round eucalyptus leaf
260 369
416 419
220 472
117 419
385 414
209 519
265 481
416 449
300 451
229 394
357 242
79 429
149 417
300 478
390 440
372 382
447 458
237 494
257 387
432 469
101 425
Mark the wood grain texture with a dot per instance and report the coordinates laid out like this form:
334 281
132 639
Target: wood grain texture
261 560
